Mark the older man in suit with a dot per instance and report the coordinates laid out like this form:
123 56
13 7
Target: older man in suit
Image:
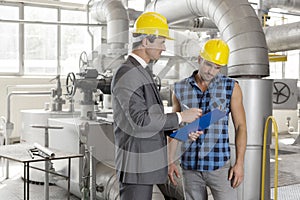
140 125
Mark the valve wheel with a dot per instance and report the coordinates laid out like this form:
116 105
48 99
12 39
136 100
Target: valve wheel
71 84
83 61
281 92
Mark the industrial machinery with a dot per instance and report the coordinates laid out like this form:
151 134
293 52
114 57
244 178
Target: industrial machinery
90 130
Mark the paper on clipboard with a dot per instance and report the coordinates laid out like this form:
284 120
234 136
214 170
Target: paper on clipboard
198 125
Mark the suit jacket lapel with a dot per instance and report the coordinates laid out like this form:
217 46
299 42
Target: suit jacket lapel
147 76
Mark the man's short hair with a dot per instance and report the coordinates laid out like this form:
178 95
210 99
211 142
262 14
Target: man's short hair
138 37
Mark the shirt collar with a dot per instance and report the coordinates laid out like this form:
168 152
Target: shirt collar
139 59
192 79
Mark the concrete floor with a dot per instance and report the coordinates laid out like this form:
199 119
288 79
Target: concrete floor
288 177
12 188
288 168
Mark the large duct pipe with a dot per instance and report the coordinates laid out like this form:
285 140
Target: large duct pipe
279 38
195 23
290 5
114 13
284 37
257 100
238 25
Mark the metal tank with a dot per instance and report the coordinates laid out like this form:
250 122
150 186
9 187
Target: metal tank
257 100
78 136
39 117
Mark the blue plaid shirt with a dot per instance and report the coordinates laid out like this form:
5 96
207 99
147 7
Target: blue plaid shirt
211 150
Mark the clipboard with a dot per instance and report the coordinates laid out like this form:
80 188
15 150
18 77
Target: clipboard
199 124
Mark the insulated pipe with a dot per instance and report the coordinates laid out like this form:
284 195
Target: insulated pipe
25 93
257 101
290 5
279 38
238 24
284 37
125 3
114 13
199 22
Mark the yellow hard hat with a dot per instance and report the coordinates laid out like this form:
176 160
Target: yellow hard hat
215 51
152 23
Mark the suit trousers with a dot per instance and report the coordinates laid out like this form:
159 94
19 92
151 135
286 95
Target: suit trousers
135 191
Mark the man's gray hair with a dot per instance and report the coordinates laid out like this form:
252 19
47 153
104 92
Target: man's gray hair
137 39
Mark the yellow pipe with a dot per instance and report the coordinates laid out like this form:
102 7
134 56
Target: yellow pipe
264 158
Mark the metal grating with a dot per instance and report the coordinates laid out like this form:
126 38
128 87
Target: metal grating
290 192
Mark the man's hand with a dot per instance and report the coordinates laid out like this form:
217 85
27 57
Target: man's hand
236 175
193 136
173 170
191 114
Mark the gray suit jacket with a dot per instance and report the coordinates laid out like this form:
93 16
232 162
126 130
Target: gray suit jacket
140 126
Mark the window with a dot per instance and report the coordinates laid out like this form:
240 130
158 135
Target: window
292 65
74 40
288 69
49 41
9 40
40 48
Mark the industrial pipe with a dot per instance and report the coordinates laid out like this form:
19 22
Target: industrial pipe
9 125
23 93
284 37
114 13
290 5
238 25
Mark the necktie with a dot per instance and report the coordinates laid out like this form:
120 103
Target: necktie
156 80
149 71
